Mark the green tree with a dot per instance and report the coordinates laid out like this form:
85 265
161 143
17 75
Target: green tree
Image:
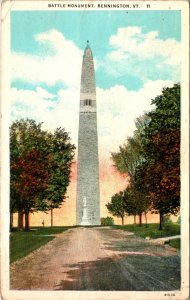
25 135
151 157
108 221
131 204
62 153
40 168
130 155
117 205
127 160
136 203
31 183
161 150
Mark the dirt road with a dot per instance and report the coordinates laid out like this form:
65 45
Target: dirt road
98 259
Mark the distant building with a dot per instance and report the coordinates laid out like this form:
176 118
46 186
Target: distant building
88 164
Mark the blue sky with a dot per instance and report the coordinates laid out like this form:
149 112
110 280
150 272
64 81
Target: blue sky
136 54
94 25
97 26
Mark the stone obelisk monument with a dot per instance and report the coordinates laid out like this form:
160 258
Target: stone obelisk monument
88 166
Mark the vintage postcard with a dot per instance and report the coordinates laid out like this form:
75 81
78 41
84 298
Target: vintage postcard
94 150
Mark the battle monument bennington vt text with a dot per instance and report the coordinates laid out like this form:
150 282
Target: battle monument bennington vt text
88 195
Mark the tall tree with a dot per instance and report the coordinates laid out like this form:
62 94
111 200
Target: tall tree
130 155
29 148
32 182
127 160
131 203
40 167
161 150
153 154
136 203
117 206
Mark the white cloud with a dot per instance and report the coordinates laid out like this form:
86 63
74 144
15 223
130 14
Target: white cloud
117 109
36 100
144 55
61 61
44 94
54 110
145 45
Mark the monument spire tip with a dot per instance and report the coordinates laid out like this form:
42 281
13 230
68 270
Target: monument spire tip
87 46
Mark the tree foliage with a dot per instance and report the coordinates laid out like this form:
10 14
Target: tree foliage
117 205
40 164
130 153
61 160
108 221
127 160
162 152
152 158
136 202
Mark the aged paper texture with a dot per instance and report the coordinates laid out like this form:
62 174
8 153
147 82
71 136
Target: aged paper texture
127 52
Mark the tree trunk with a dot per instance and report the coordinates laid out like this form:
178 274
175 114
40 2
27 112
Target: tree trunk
27 225
134 219
161 221
140 219
122 220
145 214
11 220
20 219
51 217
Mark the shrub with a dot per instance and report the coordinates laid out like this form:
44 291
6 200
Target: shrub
167 220
108 221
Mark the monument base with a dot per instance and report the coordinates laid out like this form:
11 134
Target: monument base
85 223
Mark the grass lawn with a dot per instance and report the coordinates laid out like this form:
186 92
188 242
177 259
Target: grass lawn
152 230
24 242
174 243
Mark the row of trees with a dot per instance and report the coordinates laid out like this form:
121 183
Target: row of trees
151 158
40 166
